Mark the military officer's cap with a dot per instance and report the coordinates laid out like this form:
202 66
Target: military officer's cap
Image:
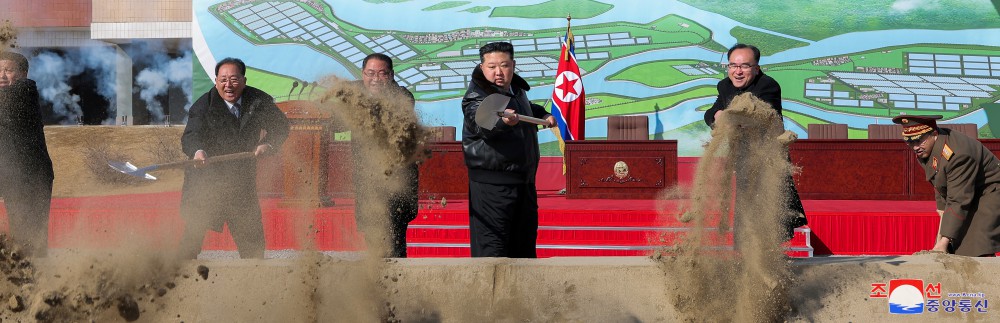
915 126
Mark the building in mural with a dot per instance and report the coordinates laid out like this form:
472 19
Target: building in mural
659 60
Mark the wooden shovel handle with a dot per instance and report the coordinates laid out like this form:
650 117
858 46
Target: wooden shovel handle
228 157
528 119
209 160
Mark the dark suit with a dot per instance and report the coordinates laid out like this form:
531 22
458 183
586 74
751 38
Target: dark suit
25 165
226 192
763 87
966 180
766 89
401 206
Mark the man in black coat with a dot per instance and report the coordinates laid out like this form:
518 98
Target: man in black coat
25 165
378 79
744 75
503 202
230 118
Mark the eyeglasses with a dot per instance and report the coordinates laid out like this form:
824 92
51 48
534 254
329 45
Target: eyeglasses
744 66
380 74
232 80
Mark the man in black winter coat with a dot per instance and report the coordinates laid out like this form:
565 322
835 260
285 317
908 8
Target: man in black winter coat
231 118
744 75
378 78
503 203
25 165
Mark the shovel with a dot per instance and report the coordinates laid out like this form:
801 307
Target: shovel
492 109
128 169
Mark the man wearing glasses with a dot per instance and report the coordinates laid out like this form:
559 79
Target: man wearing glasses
744 75
966 180
231 118
377 76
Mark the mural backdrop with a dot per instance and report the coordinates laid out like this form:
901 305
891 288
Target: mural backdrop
848 62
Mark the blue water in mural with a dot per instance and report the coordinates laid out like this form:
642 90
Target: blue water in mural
278 58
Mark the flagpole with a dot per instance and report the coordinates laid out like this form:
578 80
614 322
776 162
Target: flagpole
568 35
562 144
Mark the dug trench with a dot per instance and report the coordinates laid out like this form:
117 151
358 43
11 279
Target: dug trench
140 281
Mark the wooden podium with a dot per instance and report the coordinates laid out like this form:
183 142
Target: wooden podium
619 169
304 155
444 174
860 169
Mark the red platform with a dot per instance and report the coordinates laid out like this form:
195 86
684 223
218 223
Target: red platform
567 227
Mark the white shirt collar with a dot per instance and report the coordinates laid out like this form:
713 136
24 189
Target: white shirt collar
230 105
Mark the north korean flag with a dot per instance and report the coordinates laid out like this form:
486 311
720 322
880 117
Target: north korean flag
567 95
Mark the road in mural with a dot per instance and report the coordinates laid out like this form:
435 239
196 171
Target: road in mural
850 62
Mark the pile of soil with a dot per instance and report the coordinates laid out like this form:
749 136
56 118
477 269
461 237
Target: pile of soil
141 282
81 286
387 141
749 141
8 36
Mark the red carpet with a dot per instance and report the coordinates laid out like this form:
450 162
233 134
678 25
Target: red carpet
567 227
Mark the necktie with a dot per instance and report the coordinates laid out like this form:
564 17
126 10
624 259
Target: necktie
235 109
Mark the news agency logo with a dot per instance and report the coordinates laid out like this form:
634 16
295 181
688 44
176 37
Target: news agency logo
906 296
914 296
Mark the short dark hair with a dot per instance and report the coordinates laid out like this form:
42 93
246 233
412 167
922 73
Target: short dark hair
230 60
500 46
18 59
756 52
377 56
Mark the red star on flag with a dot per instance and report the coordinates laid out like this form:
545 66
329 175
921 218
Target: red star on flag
568 86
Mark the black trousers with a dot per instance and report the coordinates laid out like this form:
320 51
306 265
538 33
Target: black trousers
401 207
745 184
247 231
503 220
28 203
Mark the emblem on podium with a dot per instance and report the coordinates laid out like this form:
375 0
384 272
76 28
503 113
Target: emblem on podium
621 169
621 175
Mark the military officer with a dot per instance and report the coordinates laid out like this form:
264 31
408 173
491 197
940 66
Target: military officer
966 180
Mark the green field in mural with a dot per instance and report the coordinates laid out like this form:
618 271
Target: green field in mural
849 62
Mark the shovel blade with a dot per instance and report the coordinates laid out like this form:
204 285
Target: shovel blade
487 113
128 169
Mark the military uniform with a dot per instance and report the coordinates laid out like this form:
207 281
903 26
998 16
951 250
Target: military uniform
966 180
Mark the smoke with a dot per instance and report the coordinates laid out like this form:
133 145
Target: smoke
158 78
52 72
162 73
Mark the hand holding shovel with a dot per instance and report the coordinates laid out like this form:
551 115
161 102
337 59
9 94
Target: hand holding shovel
493 108
128 169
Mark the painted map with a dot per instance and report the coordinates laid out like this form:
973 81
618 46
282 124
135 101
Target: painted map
847 62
